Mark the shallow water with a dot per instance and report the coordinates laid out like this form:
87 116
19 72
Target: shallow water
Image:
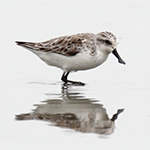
72 110
48 108
74 117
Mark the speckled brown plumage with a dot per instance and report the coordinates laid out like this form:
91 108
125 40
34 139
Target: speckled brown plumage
75 52
65 45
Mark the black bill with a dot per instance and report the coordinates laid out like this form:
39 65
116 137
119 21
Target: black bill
120 60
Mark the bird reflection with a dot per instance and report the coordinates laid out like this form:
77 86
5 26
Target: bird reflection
74 111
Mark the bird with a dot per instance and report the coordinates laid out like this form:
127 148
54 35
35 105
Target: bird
71 53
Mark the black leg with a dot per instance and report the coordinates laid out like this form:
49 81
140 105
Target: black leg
65 80
64 77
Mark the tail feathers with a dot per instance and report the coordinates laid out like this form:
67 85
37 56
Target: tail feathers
28 45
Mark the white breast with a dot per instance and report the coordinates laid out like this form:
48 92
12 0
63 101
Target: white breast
81 61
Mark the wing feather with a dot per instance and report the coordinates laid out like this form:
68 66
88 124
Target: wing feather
65 45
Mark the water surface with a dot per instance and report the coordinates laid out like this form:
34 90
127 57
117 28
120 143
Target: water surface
78 117
74 111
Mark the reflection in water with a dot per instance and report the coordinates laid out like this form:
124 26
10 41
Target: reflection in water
71 110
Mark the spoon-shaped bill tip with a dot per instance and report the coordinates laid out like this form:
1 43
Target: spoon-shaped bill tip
120 60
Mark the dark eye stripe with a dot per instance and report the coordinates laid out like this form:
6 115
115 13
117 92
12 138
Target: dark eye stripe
108 42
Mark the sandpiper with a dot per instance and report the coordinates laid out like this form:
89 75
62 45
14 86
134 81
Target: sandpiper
75 52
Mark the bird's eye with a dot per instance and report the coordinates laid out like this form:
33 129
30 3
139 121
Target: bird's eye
107 42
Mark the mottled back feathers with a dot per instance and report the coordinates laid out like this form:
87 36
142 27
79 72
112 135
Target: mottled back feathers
65 45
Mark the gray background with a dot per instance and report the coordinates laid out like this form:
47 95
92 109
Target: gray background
25 79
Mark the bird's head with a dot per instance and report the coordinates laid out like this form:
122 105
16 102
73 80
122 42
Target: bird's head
108 44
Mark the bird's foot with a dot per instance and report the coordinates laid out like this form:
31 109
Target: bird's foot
66 81
74 83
